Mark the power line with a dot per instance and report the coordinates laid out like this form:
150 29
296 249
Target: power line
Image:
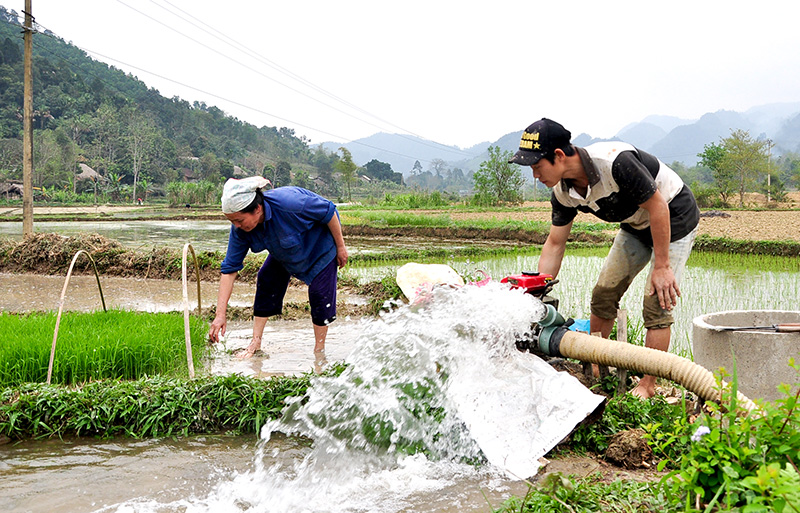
283 70
88 51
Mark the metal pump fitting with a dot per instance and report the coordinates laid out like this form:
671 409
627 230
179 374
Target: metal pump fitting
553 330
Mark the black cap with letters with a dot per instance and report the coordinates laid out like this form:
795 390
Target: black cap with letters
539 139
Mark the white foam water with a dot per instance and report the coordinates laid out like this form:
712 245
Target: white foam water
435 407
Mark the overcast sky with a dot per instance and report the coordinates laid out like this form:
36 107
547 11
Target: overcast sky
454 72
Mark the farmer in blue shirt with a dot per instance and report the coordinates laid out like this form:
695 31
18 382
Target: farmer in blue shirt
303 235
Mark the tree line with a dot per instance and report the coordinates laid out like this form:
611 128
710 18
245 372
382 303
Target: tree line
89 114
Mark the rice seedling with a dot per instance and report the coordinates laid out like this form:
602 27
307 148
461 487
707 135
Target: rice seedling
737 262
389 218
146 407
90 346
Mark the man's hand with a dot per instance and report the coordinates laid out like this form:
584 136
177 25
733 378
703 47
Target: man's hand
665 286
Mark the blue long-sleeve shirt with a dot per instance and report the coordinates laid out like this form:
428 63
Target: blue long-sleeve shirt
295 232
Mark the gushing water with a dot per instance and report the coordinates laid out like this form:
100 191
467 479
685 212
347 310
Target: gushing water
417 421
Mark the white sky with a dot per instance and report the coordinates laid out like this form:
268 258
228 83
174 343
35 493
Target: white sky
454 72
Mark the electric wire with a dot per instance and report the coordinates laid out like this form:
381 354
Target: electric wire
295 90
252 53
50 33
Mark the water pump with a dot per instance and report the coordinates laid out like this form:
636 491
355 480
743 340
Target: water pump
550 337
537 284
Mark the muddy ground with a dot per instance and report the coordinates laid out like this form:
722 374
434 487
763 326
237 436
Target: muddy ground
779 223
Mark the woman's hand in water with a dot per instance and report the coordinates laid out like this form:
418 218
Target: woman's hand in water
217 329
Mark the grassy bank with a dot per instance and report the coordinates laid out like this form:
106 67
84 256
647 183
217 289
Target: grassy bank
147 407
722 461
747 247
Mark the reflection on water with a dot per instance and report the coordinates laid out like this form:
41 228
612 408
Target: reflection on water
204 235
33 292
145 475
87 475
213 235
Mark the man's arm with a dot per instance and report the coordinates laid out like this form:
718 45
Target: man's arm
217 329
663 281
553 249
341 250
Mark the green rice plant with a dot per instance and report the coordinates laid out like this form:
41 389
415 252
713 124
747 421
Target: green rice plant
443 218
744 262
756 247
90 346
413 200
389 218
147 407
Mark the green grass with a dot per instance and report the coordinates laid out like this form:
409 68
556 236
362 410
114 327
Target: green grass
390 218
744 261
99 345
558 493
748 247
148 407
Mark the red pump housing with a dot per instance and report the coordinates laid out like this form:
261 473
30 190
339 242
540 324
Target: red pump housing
533 282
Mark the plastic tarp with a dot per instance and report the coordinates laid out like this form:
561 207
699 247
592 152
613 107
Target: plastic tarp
523 407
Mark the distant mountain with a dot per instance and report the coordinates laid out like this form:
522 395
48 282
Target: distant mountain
788 136
769 119
684 142
642 135
667 137
402 151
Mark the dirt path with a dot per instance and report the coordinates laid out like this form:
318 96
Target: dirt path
778 225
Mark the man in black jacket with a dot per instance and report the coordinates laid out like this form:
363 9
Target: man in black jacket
657 213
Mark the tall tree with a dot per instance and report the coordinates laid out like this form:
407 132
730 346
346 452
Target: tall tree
324 163
209 168
283 174
140 135
382 171
347 168
724 178
746 158
105 143
499 180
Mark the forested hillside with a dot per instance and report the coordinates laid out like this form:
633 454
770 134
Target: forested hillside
86 112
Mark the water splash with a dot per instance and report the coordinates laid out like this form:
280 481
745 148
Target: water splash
436 403
393 397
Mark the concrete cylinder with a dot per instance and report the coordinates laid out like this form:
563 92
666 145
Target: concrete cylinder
761 356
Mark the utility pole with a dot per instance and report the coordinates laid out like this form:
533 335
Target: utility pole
27 126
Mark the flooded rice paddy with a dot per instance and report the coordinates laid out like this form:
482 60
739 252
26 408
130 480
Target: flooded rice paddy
210 235
307 471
